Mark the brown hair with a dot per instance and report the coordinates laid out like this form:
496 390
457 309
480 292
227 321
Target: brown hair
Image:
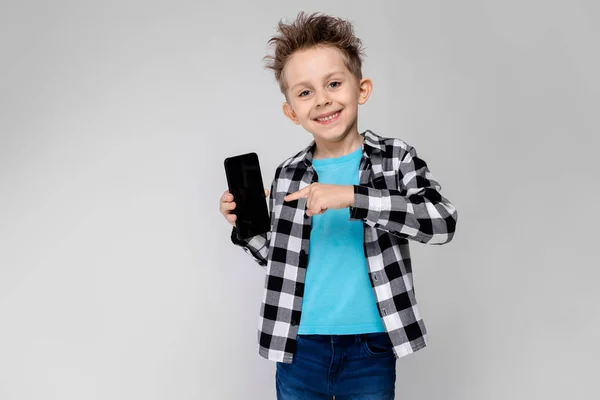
310 31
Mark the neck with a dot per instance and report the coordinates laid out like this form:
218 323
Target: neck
347 145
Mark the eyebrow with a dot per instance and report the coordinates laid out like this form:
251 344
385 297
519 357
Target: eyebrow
325 77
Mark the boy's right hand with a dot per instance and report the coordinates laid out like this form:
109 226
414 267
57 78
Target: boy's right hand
227 205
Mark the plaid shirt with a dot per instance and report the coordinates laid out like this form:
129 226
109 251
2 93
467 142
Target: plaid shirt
397 199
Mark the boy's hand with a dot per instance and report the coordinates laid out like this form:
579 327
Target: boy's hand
321 197
227 205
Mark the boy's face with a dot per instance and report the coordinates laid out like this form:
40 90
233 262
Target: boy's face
319 83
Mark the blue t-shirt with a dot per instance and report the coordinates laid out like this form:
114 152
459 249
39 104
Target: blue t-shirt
338 297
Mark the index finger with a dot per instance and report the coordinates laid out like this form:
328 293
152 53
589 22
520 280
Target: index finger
297 195
226 195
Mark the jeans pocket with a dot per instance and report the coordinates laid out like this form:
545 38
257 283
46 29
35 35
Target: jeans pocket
377 344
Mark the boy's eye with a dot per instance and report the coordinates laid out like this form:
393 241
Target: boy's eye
336 82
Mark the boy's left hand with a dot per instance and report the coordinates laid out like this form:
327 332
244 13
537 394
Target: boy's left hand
321 197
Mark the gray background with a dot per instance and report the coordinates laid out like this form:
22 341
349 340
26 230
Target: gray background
117 277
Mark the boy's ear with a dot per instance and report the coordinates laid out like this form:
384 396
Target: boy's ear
365 87
289 112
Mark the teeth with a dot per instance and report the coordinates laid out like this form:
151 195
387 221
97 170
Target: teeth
328 118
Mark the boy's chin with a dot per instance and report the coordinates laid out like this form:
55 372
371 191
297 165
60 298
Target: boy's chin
333 135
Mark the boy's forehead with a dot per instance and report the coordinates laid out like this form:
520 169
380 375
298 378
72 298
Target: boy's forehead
313 65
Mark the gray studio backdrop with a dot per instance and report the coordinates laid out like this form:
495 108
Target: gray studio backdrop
117 277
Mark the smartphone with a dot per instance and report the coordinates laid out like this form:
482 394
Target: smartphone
246 185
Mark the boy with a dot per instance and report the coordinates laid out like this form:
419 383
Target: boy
336 321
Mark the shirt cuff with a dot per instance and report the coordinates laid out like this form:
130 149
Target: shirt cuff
234 238
367 203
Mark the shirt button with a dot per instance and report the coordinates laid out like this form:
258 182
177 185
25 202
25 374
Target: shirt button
303 259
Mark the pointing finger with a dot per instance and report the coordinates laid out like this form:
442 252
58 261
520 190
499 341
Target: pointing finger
296 195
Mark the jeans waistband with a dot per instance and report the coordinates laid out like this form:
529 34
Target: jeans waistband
349 338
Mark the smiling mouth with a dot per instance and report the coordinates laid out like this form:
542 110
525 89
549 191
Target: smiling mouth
330 119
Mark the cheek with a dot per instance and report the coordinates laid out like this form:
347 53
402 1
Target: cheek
304 116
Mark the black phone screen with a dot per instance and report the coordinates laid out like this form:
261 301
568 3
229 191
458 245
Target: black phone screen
246 185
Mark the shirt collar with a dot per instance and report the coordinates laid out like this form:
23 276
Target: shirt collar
372 142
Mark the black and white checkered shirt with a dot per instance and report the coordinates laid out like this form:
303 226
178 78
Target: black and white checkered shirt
397 199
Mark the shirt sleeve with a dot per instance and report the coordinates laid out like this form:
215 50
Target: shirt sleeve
416 210
256 246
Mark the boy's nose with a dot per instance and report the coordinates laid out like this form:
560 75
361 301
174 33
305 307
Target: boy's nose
323 99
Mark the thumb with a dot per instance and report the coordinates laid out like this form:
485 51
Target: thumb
266 192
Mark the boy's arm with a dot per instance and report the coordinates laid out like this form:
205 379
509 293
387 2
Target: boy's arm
416 211
257 246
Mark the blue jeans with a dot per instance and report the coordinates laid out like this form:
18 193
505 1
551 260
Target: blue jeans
349 367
